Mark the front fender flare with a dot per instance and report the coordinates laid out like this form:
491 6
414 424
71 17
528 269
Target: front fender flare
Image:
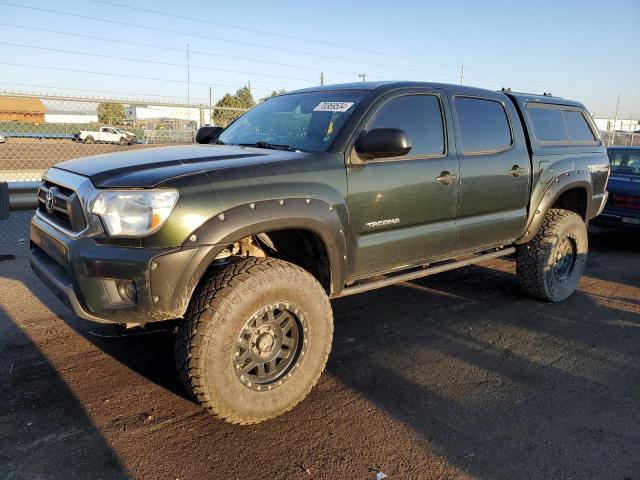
557 186
310 214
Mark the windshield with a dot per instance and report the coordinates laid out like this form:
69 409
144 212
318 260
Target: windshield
299 121
625 162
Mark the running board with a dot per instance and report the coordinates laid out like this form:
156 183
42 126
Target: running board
405 277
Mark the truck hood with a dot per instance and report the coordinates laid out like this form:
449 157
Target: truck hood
147 168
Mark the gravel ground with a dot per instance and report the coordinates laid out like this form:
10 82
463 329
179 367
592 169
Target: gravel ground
455 376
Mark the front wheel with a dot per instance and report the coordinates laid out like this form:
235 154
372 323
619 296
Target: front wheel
551 264
255 339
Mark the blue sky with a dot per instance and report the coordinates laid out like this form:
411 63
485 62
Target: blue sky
585 50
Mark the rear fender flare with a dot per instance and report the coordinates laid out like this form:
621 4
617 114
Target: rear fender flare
557 186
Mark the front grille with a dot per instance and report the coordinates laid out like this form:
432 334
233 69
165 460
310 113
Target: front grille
61 206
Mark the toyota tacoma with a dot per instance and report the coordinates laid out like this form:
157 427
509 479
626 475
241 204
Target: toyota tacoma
315 194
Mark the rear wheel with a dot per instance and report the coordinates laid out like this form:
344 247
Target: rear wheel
255 339
551 264
89 139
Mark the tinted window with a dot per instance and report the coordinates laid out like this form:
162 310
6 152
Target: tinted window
484 126
548 124
625 162
421 119
577 126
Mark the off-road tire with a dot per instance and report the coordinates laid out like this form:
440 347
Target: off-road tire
122 141
536 259
89 139
219 308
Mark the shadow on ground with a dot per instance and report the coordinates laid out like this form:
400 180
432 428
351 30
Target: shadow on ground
44 430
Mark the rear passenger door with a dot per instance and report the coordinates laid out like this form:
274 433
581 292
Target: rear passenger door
402 210
495 170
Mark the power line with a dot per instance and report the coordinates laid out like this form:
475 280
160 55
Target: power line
273 34
218 39
154 62
310 40
109 74
172 49
113 92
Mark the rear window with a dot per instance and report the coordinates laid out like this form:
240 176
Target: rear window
624 162
556 124
484 127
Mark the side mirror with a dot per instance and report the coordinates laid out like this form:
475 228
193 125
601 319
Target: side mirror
383 143
208 134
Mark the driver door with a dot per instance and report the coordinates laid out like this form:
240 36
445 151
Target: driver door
402 210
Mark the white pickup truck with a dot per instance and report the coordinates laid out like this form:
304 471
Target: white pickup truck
107 135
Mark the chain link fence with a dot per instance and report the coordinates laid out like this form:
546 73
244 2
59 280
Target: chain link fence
38 131
621 139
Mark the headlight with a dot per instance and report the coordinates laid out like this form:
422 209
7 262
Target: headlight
134 213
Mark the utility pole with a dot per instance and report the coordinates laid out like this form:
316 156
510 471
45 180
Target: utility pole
321 78
363 76
615 120
188 79
249 85
462 75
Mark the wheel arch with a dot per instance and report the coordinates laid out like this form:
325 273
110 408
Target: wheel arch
570 191
309 220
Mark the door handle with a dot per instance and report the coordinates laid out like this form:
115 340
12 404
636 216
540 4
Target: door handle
517 170
446 178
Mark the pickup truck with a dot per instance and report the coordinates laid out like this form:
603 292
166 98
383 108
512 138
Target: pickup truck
106 135
311 195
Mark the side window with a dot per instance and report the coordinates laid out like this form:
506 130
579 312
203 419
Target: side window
577 126
560 125
484 126
420 117
548 125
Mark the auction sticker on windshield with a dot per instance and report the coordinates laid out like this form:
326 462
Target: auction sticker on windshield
333 106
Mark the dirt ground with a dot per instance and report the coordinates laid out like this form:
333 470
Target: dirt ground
455 376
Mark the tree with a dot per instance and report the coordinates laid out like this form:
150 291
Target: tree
242 99
111 113
275 93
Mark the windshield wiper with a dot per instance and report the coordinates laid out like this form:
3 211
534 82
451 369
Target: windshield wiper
271 146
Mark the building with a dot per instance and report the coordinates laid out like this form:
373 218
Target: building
140 113
21 109
70 112
620 125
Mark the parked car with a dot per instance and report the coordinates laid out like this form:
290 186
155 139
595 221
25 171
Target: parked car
311 195
131 137
105 135
623 207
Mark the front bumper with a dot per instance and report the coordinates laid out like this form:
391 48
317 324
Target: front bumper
80 271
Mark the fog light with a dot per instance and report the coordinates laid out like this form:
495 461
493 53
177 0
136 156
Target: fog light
127 290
